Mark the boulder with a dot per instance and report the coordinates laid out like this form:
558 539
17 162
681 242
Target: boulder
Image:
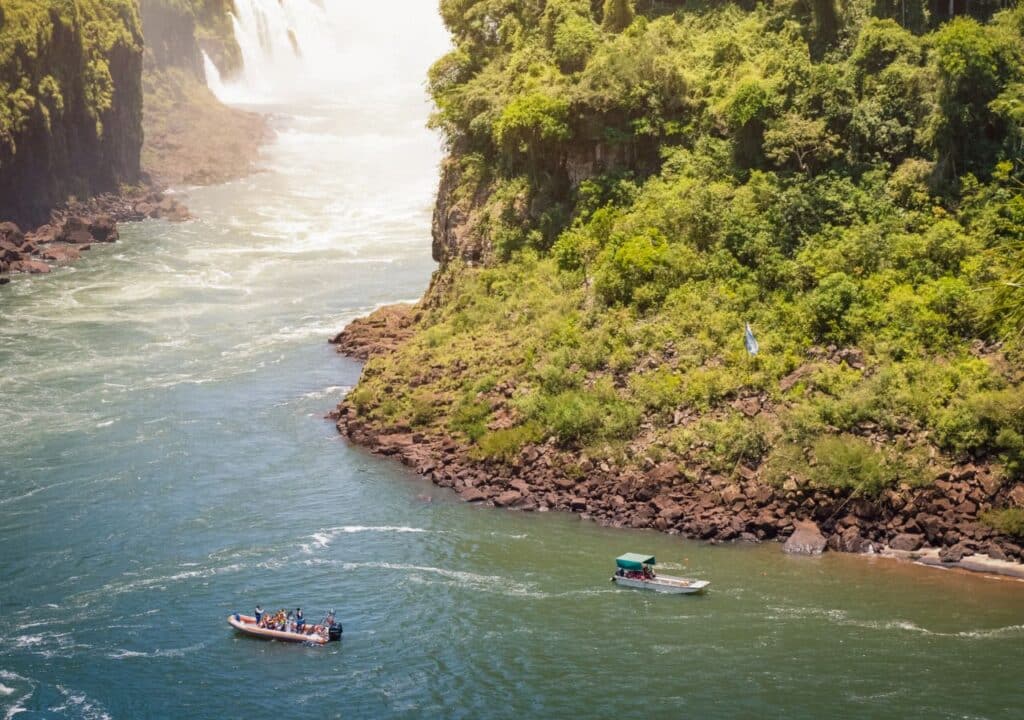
507 498
564 483
104 229
11 233
672 512
75 231
932 527
1017 495
805 540
907 542
473 495
9 252
731 494
61 254
36 267
849 540
664 473
957 552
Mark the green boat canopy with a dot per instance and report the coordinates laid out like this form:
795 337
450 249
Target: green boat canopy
634 561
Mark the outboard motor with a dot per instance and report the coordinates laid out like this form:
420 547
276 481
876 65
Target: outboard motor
334 631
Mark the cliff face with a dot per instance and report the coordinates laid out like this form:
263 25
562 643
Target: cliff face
178 32
191 137
70 102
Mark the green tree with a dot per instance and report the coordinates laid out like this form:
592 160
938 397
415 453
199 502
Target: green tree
531 122
618 15
972 64
805 140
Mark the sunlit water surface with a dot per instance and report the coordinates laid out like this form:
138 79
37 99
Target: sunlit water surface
164 461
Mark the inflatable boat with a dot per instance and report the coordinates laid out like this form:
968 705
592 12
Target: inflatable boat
316 634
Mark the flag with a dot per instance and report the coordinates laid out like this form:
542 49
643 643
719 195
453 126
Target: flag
750 341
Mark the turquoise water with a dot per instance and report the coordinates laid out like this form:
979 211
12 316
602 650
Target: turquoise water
164 461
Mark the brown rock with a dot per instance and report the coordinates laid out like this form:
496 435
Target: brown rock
472 495
75 230
761 494
61 254
931 526
507 498
966 508
9 252
104 229
11 233
957 552
521 486
36 267
564 483
1016 495
805 540
907 542
731 494
664 473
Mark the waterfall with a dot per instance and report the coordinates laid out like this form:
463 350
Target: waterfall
325 49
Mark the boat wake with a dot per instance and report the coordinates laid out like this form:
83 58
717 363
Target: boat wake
842 618
323 538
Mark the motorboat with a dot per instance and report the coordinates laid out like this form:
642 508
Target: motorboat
636 570
316 634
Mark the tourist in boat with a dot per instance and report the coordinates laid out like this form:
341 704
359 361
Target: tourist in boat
258 614
329 620
300 622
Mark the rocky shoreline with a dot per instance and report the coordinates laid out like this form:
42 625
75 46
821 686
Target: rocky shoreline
74 228
939 522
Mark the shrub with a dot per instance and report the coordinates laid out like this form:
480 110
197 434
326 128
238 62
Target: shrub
470 417
657 390
986 421
1009 521
505 445
583 416
732 440
831 305
845 461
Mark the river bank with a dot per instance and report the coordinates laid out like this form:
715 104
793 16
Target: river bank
941 520
211 145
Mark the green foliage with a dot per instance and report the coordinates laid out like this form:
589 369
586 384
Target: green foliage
660 389
850 462
973 65
34 77
529 122
469 417
986 421
617 15
1009 521
796 138
505 445
580 417
850 185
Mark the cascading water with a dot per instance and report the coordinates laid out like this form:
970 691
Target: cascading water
320 50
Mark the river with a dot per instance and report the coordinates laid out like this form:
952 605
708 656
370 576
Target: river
164 461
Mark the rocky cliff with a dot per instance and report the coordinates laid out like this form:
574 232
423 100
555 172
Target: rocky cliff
70 102
622 199
190 136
